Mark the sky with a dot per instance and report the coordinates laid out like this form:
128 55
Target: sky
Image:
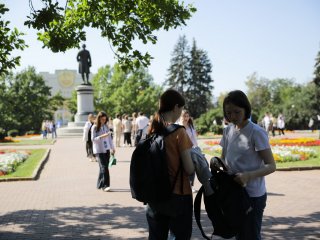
275 39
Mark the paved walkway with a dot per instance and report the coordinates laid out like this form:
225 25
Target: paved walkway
64 203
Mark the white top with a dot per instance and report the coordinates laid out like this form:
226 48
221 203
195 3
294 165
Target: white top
142 122
117 125
86 129
240 150
127 126
192 135
101 145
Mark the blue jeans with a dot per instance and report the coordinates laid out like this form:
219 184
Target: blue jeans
179 223
252 225
104 176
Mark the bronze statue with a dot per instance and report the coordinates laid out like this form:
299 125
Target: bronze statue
84 60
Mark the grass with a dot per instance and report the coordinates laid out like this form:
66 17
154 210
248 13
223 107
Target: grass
29 142
312 162
27 168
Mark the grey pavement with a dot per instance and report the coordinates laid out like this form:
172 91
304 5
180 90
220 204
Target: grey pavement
65 204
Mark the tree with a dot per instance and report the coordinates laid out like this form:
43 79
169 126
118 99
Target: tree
10 40
198 93
121 22
178 75
117 91
189 73
27 101
317 71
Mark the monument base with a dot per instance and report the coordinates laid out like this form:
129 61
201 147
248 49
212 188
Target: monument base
84 108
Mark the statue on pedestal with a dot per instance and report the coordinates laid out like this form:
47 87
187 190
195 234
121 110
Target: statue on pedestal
84 60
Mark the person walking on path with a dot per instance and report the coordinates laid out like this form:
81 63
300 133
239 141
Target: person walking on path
141 127
127 128
87 137
117 129
280 124
186 121
102 148
176 214
247 154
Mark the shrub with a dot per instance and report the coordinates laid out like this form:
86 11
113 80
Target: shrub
205 124
2 133
13 133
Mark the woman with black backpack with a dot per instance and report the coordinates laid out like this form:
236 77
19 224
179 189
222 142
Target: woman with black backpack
176 213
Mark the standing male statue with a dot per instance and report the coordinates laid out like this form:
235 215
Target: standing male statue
84 60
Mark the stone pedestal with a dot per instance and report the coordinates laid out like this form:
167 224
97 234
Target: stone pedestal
84 108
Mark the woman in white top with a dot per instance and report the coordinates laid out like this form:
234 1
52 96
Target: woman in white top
186 121
102 148
247 154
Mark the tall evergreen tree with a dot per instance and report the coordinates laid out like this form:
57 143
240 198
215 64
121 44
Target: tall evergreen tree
198 93
178 70
317 71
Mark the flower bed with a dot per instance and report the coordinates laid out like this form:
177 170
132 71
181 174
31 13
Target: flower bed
295 142
10 160
284 151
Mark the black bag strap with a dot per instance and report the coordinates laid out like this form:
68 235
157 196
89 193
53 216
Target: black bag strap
172 128
197 211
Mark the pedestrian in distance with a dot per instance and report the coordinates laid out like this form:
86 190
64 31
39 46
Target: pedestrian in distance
87 137
247 154
176 216
102 148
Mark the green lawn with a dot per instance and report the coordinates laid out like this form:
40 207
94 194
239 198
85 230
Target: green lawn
30 142
27 168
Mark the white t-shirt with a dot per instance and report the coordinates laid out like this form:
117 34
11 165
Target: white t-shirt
142 122
240 150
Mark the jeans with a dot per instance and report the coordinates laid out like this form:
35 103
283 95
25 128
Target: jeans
252 225
180 224
104 177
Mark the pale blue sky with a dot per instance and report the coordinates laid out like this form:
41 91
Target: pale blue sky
275 38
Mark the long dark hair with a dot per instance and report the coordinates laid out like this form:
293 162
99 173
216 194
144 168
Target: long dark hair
168 100
99 116
190 121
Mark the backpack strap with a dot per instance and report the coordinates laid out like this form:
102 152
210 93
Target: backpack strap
197 209
172 128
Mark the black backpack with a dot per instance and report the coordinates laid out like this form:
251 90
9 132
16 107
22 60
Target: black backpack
227 207
149 176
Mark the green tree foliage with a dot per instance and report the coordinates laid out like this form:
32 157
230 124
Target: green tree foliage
297 102
189 73
9 40
179 66
317 71
26 101
121 22
122 92
199 96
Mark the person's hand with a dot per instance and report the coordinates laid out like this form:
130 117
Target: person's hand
113 151
242 178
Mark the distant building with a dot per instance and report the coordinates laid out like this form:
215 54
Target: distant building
63 81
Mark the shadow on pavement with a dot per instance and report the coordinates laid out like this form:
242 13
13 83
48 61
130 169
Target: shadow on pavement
118 222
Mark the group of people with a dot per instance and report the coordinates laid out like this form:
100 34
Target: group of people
245 151
271 123
48 127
